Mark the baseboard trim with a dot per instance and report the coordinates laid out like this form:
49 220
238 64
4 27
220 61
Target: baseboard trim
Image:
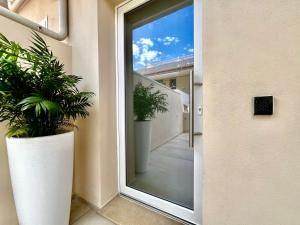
94 207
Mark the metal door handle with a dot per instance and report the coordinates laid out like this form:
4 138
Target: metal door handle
198 84
197 133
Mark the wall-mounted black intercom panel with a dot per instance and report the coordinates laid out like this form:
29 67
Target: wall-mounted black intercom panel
263 105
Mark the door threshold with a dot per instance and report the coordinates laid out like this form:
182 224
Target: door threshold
158 211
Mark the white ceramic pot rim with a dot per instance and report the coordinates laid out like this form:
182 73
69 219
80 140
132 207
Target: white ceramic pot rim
41 137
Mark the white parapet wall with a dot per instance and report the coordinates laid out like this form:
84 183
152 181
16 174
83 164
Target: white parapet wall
166 125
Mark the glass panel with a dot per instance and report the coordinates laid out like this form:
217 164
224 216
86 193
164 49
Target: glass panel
43 12
159 64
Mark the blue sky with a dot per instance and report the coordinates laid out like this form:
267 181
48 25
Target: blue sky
165 38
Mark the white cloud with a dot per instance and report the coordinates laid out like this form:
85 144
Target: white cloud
146 42
148 56
171 39
168 40
143 52
135 50
191 50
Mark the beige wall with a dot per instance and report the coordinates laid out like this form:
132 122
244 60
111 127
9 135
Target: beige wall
251 164
183 83
108 123
22 35
84 39
94 58
7 206
37 10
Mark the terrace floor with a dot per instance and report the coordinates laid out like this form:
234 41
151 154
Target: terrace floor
82 214
119 211
169 176
170 172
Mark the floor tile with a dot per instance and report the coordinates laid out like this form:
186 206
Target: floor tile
92 218
124 212
78 209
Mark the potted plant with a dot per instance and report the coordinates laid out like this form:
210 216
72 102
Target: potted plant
146 104
38 100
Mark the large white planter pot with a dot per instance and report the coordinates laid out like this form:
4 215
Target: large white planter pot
142 145
41 171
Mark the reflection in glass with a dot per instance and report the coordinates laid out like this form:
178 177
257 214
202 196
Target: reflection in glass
159 71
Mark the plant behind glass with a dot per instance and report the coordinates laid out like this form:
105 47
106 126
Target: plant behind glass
37 97
147 103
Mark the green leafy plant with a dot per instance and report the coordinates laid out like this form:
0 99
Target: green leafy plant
37 98
147 103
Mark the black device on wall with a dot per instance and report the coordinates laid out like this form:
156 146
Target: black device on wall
263 105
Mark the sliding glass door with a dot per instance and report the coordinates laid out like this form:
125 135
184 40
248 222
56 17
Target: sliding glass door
159 86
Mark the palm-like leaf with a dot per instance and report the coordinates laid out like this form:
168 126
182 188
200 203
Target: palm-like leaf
147 103
36 96
40 104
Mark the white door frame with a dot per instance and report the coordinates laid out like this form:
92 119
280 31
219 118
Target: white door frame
193 216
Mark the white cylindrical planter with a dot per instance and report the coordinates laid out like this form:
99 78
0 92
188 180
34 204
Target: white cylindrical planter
142 145
41 171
